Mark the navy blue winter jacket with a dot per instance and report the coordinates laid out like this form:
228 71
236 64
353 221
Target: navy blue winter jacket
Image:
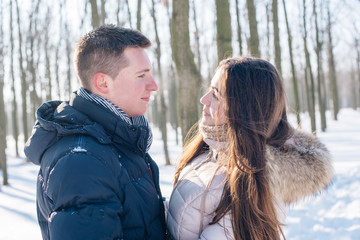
94 180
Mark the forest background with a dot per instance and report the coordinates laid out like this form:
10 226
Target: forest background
313 43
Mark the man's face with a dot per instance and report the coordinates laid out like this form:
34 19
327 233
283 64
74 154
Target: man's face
130 90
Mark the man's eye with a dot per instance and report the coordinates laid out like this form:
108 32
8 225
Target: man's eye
141 76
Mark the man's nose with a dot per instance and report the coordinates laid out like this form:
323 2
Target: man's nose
151 85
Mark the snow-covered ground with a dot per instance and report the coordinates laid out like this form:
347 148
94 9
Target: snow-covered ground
335 214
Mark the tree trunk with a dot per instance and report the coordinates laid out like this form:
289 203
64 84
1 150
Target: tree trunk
223 28
332 69
268 47
103 12
129 12
34 98
309 74
189 79
308 96
138 16
24 85
15 124
293 70
95 18
172 90
173 108
57 70
238 25
69 62
319 70
197 39
47 60
254 36
276 36
2 105
155 116
57 55
353 90
163 120
118 13
358 66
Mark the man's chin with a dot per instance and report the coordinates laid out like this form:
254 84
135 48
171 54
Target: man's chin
136 114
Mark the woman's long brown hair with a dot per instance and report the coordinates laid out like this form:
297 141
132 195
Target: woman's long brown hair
255 107
193 147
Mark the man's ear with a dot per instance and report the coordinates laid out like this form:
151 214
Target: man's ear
100 81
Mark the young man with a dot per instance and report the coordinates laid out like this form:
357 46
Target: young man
96 179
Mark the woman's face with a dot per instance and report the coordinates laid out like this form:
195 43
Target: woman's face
213 110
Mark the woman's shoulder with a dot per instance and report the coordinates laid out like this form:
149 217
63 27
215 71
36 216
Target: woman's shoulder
195 196
301 167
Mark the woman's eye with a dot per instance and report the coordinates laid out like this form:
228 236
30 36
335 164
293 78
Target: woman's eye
214 96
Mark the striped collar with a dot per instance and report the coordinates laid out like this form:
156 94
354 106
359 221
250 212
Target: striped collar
136 120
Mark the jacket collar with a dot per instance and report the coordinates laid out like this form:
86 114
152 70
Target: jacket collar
118 131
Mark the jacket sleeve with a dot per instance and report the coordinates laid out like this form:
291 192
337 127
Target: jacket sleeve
86 199
220 230
301 167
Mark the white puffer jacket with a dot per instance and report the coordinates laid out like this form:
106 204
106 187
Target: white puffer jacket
300 168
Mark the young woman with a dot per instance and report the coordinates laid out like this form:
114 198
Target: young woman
245 162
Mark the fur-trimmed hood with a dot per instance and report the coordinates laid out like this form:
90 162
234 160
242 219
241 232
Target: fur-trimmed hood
300 168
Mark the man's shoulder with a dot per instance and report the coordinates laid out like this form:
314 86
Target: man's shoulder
72 145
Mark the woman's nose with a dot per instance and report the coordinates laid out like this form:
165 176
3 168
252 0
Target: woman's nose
205 99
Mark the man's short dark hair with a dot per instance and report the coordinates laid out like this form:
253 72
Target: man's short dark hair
101 51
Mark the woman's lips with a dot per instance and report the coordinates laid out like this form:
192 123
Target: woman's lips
206 114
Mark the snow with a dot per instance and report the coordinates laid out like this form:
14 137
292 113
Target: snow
334 214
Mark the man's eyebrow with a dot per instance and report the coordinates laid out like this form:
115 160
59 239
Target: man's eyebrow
143 70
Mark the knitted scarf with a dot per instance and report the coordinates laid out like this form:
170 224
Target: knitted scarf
214 136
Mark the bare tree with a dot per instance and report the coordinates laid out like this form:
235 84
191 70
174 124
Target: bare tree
321 93
95 18
310 87
30 55
197 38
293 70
129 12
47 56
238 26
268 19
254 36
332 69
138 16
173 106
15 124
3 164
57 51
189 86
172 87
276 36
163 108
68 86
353 89
223 28
24 85
357 48
103 13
